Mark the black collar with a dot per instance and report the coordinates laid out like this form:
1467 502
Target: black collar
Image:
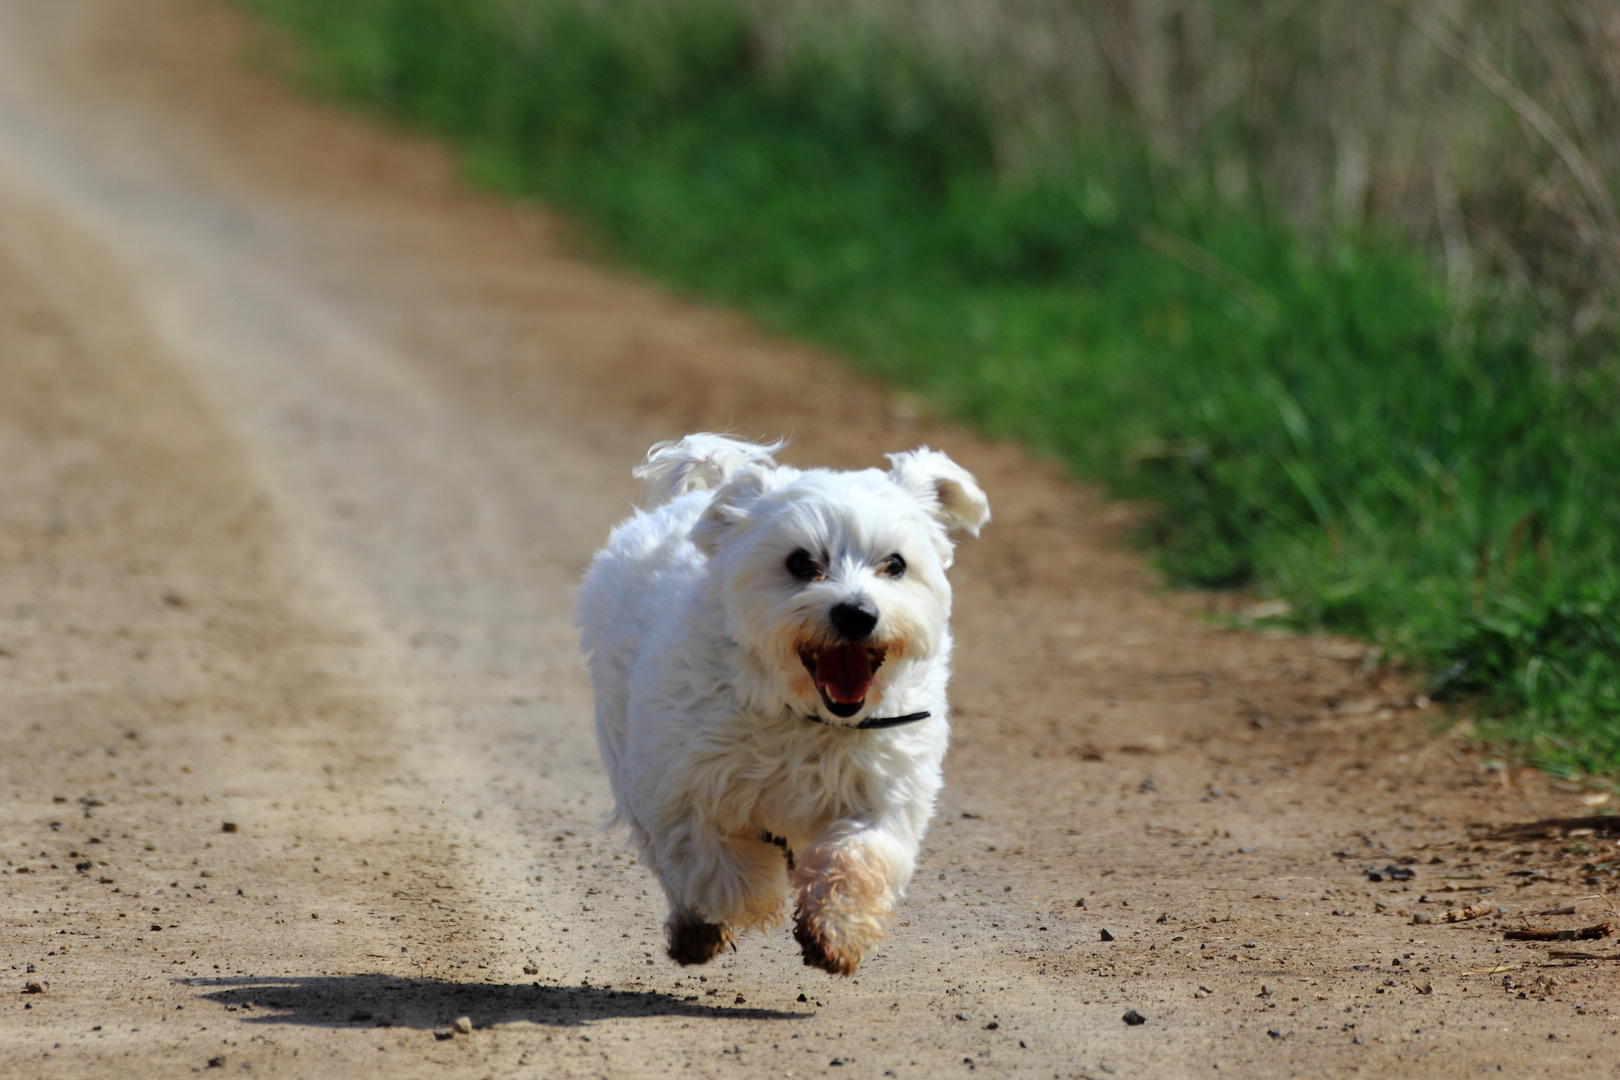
873 723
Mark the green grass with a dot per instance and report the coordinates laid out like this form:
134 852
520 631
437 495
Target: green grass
1316 420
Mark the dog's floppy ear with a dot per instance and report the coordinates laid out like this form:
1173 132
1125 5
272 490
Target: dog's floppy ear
730 507
698 462
946 490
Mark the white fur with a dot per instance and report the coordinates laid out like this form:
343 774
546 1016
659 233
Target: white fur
692 625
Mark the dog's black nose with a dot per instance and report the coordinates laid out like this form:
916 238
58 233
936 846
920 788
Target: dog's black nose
854 620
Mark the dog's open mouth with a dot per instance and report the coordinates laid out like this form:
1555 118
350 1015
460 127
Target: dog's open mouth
843 674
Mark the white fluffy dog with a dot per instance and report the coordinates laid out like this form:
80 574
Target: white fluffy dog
769 650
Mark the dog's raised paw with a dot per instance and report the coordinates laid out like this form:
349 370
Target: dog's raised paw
816 953
693 941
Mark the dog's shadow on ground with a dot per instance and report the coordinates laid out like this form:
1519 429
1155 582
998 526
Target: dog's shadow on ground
377 1000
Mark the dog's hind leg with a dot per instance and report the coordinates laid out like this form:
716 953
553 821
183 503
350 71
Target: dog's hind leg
692 940
716 886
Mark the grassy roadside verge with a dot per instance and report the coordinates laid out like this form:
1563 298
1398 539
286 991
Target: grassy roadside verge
1318 421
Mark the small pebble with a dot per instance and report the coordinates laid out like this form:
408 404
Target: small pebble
1133 1018
1106 936
463 1025
442 1034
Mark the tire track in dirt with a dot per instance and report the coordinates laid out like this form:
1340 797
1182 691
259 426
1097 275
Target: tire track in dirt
374 426
172 667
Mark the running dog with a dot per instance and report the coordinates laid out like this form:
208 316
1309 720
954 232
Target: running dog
769 650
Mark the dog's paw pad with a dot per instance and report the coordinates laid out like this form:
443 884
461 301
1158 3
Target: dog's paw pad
692 941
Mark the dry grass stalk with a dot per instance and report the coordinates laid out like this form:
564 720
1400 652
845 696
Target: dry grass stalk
1474 911
1584 933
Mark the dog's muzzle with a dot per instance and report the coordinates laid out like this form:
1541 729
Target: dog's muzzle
843 673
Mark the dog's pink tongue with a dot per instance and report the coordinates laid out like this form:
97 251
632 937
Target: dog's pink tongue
844 672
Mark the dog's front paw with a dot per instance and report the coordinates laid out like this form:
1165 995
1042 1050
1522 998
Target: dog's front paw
841 916
816 951
693 941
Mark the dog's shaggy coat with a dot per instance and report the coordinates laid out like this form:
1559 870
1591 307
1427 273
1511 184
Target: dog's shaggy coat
741 630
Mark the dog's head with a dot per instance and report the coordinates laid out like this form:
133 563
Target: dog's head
834 582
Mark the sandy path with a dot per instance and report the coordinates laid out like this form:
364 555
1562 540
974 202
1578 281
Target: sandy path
304 447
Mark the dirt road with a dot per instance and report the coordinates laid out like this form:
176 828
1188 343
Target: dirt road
303 449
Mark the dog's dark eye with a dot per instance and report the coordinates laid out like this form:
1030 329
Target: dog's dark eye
894 566
803 567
